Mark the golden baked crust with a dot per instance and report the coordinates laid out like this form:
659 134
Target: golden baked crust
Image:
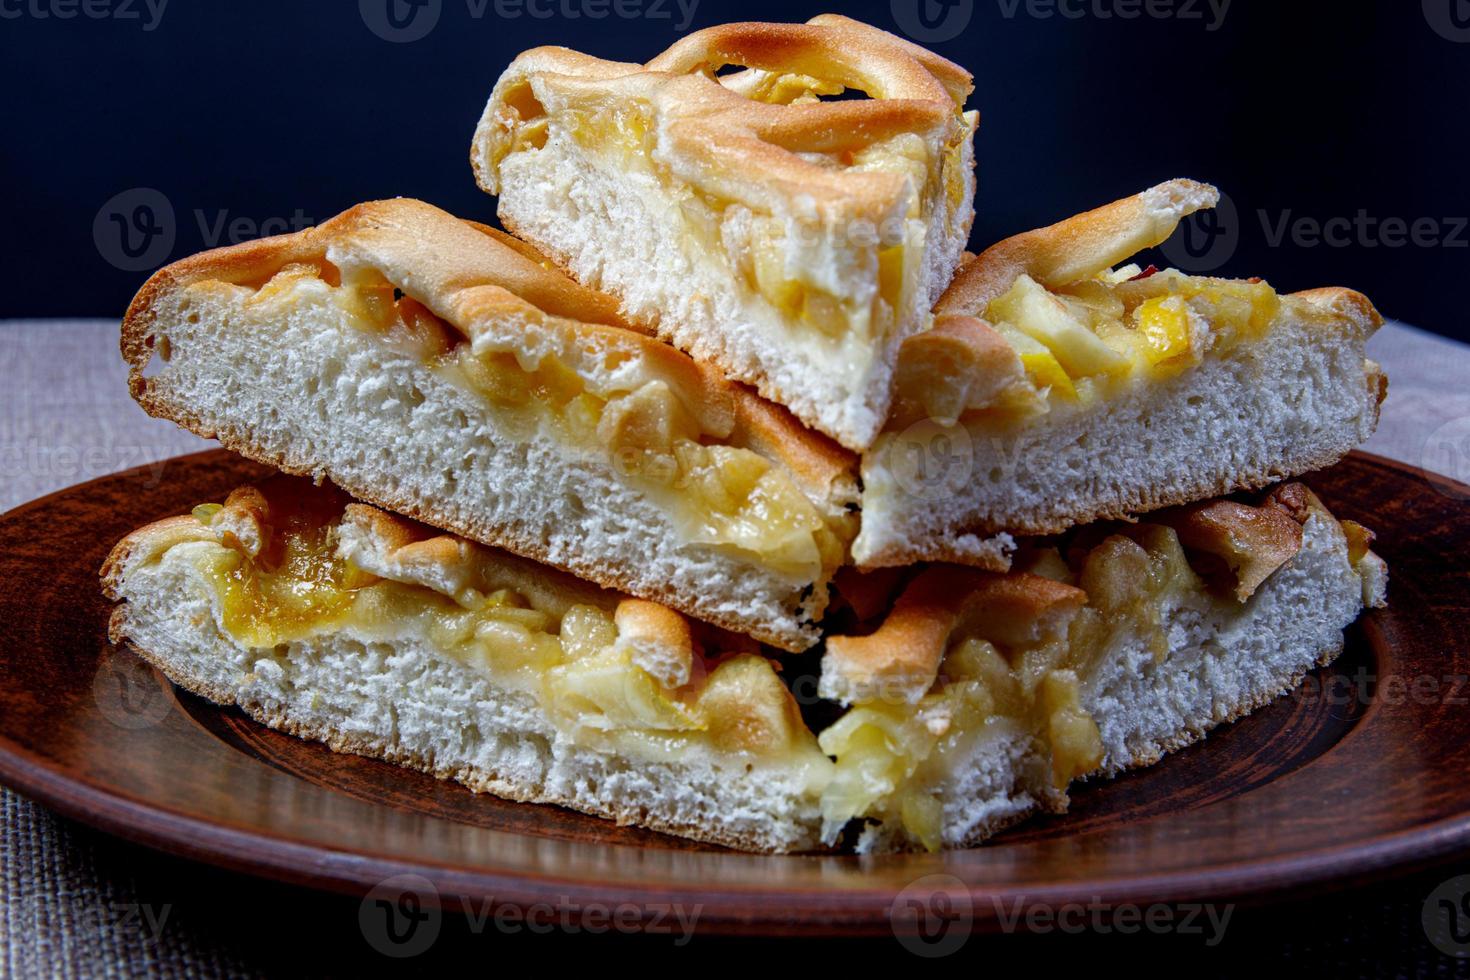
964 363
1252 542
822 468
662 642
746 149
389 546
1089 243
961 361
395 548
1042 333
1076 248
384 544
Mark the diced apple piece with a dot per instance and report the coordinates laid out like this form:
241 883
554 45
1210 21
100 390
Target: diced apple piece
1033 310
891 273
1044 370
748 708
586 630
770 278
1122 273
1097 298
1164 323
1126 341
605 691
1076 744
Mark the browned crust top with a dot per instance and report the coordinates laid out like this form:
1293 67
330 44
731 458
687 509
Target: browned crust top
715 128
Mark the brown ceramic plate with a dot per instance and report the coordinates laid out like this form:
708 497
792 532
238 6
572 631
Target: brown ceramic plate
1359 774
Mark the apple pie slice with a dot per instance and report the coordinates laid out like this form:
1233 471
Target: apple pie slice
445 371
765 220
336 621
977 698
974 698
1059 387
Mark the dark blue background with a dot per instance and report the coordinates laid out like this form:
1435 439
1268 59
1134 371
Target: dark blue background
240 113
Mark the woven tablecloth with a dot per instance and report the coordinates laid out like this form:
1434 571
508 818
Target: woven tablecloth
76 903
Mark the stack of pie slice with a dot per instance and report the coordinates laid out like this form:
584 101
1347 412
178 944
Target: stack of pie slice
732 498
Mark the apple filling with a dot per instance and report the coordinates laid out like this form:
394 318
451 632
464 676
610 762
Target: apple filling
1079 341
573 655
893 758
771 257
307 585
719 494
895 754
